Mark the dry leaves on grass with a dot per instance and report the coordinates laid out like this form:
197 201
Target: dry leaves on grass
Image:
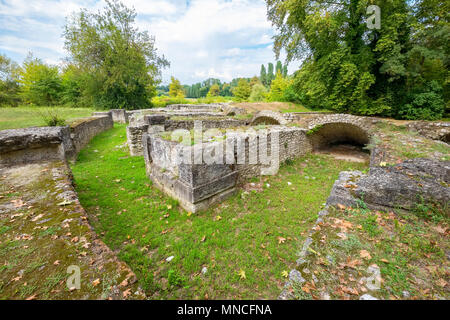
242 275
18 203
365 254
281 240
96 282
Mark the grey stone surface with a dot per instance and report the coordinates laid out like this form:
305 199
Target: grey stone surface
193 183
38 144
435 130
367 297
83 130
268 117
120 115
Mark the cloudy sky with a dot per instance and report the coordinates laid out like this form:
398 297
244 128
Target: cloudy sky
223 39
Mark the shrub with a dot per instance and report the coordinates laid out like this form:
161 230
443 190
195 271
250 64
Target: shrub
427 105
259 93
51 118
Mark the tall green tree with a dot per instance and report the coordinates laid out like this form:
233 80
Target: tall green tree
263 75
285 71
9 83
270 74
278 88
121 61
214 90
243 90
279 67
351 67
176 90
40 83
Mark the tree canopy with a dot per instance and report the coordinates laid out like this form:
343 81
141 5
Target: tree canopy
399 70
121 62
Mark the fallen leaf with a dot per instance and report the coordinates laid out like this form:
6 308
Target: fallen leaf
126 293
18 203
37 217
281 240
17 278
31 297
96 282
242 274
64 203
441 283
56 263
285 274
365 254
74 239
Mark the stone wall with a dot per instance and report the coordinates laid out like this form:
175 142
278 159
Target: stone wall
40 144
30 145
83 130
119 115
268 117
171 125
199 184
158 122
434 130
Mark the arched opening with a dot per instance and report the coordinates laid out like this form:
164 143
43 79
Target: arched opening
446 138
265 120
341 140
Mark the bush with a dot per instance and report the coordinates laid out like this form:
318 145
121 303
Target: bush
51 118
259 93
427 105
162 101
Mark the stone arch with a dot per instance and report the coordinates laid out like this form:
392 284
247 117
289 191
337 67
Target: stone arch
268 117
338 129
446 138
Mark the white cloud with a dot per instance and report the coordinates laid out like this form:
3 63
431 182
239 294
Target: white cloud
201 38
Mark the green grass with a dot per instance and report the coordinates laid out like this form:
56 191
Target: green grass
246 232
23 117
295 107
410 251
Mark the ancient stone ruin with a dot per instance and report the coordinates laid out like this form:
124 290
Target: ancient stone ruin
202 154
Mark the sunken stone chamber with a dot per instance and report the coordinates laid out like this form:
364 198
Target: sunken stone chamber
201 183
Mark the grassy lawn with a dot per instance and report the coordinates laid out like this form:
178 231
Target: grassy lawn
245 244
409 249
23 117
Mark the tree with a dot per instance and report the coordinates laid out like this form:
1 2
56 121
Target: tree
253 81
279 67
349 67
243 90
263 75
175 88
9 85
214 90
41 83
278 88
285 71
270 75
121 61
259 93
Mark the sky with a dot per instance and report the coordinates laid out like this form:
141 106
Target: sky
202 39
